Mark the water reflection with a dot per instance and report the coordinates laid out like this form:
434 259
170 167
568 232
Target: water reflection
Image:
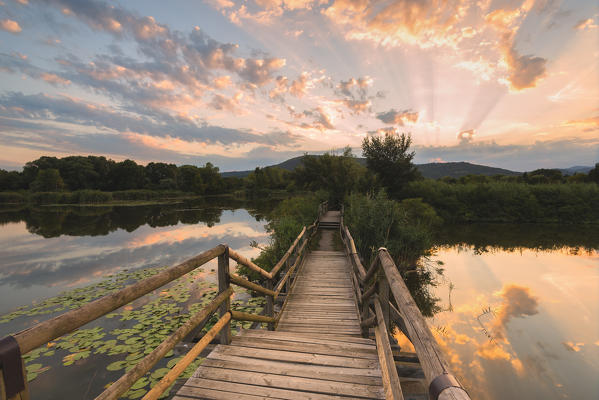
512 237
101 220
47 250
521 324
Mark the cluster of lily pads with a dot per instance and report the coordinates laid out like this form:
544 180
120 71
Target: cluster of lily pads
122 338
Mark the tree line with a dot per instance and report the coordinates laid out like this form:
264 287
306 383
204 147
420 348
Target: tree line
51 174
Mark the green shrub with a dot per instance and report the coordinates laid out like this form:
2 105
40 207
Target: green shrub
47 198
505 201
285 223
91 196
12 198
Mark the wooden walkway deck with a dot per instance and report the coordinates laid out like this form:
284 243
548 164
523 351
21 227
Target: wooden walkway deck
316 351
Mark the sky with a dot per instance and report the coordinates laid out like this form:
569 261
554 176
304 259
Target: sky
509 83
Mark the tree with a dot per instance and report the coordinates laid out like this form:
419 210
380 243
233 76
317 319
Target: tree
390 159
47 180
161 175
594 174
127 175
190 179
338 175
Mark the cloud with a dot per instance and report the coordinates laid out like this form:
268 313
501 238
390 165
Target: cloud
587 23
466 136
298 86
398 117
10 26
591 123
357 106
345 87
322 119
420 23
54 79
220 102
524 71
64 109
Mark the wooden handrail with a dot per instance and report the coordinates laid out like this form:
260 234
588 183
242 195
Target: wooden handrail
123 384
383 346
282 261
248 263
442 385
290 271
431 358
195 351
242 316
238 280
51 329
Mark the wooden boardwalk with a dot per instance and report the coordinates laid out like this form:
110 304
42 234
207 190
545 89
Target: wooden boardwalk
318 346
316 351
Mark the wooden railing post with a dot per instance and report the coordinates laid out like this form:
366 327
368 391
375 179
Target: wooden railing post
223 284
383 291
270 309
15 387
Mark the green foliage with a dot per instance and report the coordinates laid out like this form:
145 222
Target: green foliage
285 223
593 175
47 180
405 229
337 175
502 201
12 198
390 159
262 180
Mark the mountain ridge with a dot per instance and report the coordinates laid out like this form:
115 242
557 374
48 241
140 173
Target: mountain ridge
454 169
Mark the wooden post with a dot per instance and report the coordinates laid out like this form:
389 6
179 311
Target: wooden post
365 312
383 292
270 309
22 395
223 284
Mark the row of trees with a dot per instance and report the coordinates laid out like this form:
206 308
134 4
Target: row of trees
50 174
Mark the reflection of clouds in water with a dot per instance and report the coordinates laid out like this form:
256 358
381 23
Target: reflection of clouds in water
81 260
518 302
182 233
571 346
533 322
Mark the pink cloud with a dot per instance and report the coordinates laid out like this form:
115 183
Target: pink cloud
10 26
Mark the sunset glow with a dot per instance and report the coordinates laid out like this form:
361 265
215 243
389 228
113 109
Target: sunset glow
513 84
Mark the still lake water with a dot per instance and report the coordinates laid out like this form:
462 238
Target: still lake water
520 304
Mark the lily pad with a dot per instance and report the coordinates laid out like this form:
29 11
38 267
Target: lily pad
115 366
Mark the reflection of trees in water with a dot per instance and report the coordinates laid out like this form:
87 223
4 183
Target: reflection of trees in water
485 238
96 221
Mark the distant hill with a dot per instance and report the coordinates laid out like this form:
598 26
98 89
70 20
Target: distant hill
576 169
430 170
459 169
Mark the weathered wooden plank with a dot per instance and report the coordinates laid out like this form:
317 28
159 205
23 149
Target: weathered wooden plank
233 390
288 369
293 383
314 348
307 369
297 357
309 338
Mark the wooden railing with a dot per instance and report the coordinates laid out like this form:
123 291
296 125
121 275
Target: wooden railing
13 380
384 297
